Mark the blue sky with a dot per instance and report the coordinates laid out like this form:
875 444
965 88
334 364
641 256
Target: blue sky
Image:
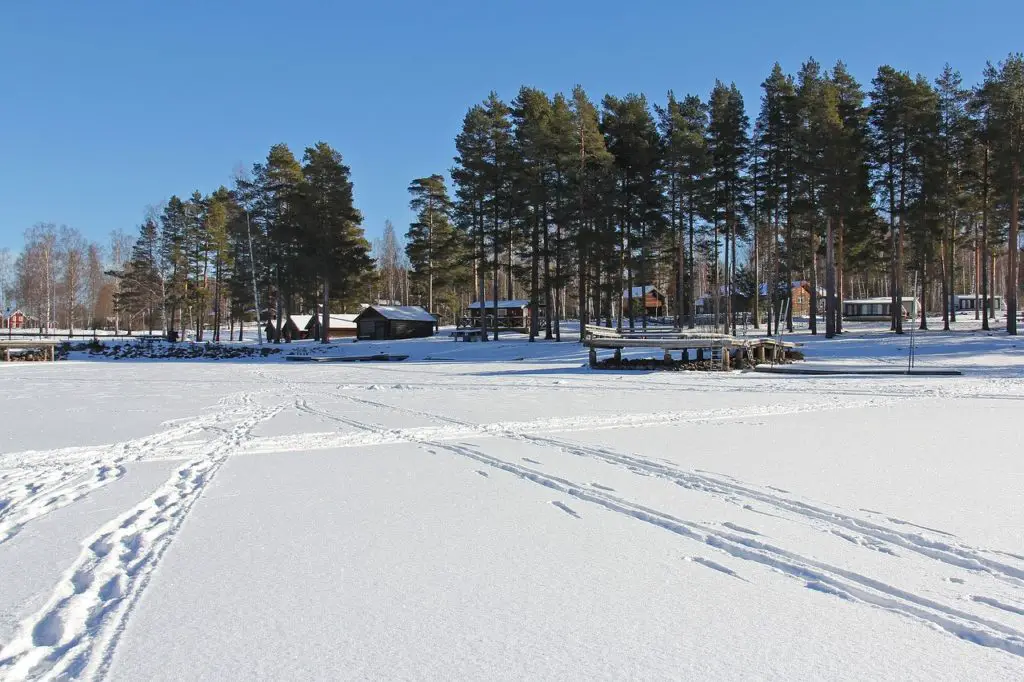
107 107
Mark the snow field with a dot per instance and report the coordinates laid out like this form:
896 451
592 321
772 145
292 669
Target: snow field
505 513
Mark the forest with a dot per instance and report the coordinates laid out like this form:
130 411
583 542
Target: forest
905 186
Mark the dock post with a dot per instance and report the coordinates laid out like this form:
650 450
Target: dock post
593 357
7 354
51 353
760 352
725 357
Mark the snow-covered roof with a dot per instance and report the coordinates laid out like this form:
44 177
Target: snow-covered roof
343 320
300 321
511 303
879 299
402 312
639 292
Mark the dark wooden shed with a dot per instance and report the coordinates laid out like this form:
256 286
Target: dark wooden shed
380 322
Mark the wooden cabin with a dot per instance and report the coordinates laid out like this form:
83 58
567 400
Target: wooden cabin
966 302
800 292
513 314
293 328
647 296
14 320
877 309
342 326
381 322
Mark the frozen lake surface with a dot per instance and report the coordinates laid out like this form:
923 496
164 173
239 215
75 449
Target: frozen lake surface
498 511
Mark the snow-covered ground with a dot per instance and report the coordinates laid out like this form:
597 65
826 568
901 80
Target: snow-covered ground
500 511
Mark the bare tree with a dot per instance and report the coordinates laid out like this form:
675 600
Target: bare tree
120 253
391 260
71 256
95 283
6 278
37 273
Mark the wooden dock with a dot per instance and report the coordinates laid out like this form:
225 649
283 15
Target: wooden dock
724 350
46 345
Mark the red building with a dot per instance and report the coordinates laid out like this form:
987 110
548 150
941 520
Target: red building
15 320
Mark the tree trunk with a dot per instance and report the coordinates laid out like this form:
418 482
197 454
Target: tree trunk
495 275
947 299
1012 250
548 303
924 295
688 284
984 242
813 309
325 320
535 277
830 281
950 288
482 277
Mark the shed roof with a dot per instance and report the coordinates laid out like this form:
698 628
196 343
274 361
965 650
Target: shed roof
638 292
879 299
404 312
515 303
300 321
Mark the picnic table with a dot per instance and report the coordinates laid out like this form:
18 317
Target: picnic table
469 334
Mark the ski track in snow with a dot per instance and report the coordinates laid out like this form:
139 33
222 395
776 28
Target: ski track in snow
45 481
76 632
817 575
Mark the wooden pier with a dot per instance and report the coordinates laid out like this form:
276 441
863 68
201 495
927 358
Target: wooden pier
47 346
724 350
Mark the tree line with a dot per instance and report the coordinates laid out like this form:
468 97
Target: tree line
285 239
908 186
60 280
574 203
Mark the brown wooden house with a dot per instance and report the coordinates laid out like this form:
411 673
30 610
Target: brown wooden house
648 296
381 322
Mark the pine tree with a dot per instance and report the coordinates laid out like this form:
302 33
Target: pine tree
498 178
631 136
851 194
891 121
587 178
142 281
471 190
953 148
683 125
1003 92
728 148
429 241
534 180
775 125
273 192
330 228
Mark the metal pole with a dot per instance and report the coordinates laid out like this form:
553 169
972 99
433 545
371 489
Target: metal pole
255 291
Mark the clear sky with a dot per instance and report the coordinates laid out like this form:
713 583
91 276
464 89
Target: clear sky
107 107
